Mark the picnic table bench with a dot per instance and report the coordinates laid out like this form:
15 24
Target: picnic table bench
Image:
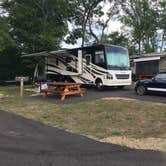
64 88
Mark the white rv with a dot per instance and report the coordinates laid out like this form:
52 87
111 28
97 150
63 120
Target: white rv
101 65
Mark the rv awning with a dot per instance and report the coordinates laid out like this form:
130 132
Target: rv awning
147 59
39 54
58 52
44 53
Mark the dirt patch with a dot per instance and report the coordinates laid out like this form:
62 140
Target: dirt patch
128 99
118 98
32 90
143 143
2 96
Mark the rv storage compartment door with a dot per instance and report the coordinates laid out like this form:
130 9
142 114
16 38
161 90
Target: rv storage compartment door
80 65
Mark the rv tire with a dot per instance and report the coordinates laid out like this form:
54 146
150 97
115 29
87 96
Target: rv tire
99 84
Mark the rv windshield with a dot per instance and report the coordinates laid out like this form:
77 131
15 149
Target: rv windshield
117 58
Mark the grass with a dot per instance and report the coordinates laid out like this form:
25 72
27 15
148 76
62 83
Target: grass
98 118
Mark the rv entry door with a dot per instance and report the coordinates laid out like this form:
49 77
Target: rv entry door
88 61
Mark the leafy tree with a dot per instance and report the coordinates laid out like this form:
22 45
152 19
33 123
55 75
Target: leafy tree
10 62
140 16
162 23
88 21
115 38
5 37
99 23
120 39
37 25
83 12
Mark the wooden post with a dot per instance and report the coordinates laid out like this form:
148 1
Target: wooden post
21 80
21 87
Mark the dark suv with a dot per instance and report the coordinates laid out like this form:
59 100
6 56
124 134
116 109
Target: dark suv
156 85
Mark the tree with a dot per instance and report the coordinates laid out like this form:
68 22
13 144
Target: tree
37 25
83 11
10 63
98 25
5 37
116 38
140 16
162 24
9 59
88 21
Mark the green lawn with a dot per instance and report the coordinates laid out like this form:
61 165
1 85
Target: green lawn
98 118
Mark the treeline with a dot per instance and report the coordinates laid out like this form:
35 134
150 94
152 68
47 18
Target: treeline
28 26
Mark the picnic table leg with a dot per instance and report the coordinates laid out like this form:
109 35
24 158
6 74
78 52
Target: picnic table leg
81 92
63 97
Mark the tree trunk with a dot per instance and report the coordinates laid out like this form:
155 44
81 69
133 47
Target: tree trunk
162 41
139 47
83 35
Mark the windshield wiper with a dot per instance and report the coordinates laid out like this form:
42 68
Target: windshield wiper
116 66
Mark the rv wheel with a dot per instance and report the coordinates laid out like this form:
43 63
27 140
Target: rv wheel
99 84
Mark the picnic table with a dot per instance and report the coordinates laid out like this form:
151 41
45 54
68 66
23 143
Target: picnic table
64 88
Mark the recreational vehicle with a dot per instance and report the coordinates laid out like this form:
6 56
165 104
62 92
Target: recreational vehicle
100 65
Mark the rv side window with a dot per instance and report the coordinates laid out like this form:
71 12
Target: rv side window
88 59
99 58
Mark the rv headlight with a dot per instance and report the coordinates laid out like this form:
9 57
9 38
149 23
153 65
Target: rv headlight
109 76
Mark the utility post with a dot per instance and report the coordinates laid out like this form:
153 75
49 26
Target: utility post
22 80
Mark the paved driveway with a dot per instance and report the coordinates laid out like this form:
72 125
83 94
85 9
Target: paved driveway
24 142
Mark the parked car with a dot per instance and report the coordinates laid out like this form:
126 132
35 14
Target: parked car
155 85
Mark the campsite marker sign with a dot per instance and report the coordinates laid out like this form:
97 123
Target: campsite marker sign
21 80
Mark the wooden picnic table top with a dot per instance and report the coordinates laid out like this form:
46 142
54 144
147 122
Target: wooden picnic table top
64 88
62 84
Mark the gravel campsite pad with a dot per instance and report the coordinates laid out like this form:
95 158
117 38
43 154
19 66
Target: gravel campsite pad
143 143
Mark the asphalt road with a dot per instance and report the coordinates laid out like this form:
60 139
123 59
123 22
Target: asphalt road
24 142
92 93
